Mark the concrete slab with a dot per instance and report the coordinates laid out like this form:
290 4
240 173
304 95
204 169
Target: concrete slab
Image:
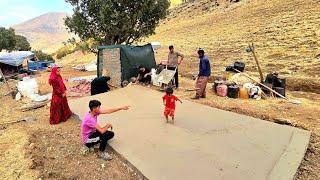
204 143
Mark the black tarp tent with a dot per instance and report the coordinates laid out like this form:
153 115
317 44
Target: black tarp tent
121 62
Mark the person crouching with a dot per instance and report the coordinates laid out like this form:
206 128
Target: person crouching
92 133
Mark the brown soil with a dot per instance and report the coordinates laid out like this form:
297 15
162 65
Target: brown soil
33 150
286 36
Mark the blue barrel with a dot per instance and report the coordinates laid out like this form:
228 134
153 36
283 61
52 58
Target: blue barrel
32 65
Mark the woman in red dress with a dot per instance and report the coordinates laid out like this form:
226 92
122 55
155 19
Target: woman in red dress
59 109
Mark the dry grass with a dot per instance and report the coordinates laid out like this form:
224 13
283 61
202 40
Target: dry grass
285 33
38 150
77 58
286 36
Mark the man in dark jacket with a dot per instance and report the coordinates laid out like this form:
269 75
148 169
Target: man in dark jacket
203 76
144 75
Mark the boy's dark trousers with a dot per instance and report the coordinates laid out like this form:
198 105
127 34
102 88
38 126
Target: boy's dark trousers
97 138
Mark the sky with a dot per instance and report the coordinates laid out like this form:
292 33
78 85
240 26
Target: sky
16 11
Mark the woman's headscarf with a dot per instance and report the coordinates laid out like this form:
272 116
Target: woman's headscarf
55 77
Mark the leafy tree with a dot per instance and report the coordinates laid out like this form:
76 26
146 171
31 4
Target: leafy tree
110 22
7 39
22 43
43 56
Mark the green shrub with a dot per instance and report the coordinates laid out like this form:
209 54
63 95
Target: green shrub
43 56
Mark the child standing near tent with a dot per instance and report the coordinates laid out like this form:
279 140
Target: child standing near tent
169 101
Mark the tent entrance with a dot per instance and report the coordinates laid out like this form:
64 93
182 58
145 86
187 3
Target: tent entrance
121 62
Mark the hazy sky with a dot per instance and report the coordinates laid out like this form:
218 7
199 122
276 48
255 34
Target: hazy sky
16 11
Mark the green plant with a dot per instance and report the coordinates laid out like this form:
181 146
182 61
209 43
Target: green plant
22 43
43 56
7 39
110 22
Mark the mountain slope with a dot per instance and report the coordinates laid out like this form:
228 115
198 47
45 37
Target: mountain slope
286 35
44 32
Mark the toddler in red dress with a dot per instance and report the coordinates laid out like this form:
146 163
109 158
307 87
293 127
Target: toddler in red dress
169 101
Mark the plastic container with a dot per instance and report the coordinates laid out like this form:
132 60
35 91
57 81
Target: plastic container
233 91
28 87
222 90
243 93
216 84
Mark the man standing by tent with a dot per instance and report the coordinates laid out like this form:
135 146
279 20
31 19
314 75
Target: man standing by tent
173 62
203 76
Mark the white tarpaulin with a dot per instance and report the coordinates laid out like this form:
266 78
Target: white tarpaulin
15 58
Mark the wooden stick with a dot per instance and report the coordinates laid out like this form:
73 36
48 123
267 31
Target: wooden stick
28 119
10 122
271 90
256 59
34 106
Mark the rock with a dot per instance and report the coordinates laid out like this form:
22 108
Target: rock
18 96
103 165
283 121
29 119
32 164
32 146
84 151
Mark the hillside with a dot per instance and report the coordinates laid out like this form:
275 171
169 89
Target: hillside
286 35
45 32
287 39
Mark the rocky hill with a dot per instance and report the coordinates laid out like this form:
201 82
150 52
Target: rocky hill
44 32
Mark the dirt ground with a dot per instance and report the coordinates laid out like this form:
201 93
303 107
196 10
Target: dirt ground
286 36
32 150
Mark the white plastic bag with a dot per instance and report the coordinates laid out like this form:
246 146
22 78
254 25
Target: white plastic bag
153 77
18 96
28 87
